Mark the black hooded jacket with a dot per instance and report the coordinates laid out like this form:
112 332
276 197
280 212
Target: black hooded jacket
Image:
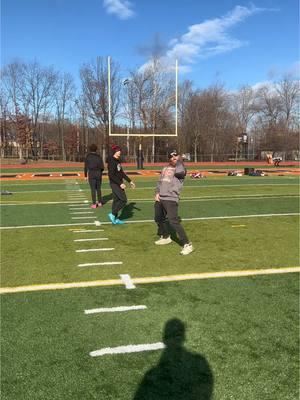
93 165
115 171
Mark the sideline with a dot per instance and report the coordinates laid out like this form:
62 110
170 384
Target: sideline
142 221
150 279
80 201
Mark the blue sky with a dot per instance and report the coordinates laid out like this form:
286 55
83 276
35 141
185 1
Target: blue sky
234 42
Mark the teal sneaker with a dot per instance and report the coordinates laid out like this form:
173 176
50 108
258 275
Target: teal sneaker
119 221
112 218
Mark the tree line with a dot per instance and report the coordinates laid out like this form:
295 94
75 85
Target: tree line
44 114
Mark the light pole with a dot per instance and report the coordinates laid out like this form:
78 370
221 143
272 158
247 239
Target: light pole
126 83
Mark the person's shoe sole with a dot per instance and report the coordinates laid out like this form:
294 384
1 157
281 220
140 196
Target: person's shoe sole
187 252
162 242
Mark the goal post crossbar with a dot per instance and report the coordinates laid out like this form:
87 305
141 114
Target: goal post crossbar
144 134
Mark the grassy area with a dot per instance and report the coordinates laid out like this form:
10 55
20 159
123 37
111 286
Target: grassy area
219 245
241 332
205 167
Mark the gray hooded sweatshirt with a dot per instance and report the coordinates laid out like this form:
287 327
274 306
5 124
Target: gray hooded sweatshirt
171 181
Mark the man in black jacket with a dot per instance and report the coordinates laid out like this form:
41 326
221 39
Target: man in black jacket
116 177
93 169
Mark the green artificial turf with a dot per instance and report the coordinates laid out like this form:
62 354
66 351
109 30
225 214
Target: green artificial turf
241 331
245 330
47 255
212 167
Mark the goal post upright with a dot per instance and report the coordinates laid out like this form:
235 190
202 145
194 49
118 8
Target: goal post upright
176 96
109 96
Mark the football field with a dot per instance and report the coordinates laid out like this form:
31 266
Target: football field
95 311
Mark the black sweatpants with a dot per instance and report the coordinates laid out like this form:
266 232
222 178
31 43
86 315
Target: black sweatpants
164 209
119 198
95 185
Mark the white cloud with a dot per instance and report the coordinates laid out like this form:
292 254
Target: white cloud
294 70
211 37
121 8
263 84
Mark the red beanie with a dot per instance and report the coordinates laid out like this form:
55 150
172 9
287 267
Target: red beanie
115 148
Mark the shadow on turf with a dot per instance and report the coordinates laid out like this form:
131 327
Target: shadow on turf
180 374
106 198
128 211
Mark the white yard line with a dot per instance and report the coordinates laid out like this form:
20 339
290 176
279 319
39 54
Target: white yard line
200 186
37 203
79 208
114 309
76 198
88 231
89 240
84 217
131 348
44 191
152 221
101 264
155 279
223 198
81 212
126 279
88 250
78 203
143 200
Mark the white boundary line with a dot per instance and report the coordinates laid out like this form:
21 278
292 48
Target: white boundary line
94 217
114 309
220 198
229 178
155 279
81 212
152 221
78 208
131 348
88 250
88 231
101 263
89 239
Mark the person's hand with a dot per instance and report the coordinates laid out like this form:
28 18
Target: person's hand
157 197
123 186
132 184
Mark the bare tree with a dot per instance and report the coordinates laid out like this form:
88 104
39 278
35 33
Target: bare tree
288 91
244 107
209 123
39 90
64 94
94 80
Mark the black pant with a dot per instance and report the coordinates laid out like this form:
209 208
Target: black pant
164 209
119 198
95 185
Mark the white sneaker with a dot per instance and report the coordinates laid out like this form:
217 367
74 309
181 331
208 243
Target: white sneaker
163 240
187 249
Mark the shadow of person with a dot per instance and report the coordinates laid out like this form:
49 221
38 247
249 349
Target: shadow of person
128 211
106 198
180 374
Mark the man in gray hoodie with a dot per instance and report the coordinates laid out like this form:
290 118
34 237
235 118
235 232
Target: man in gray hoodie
166 202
